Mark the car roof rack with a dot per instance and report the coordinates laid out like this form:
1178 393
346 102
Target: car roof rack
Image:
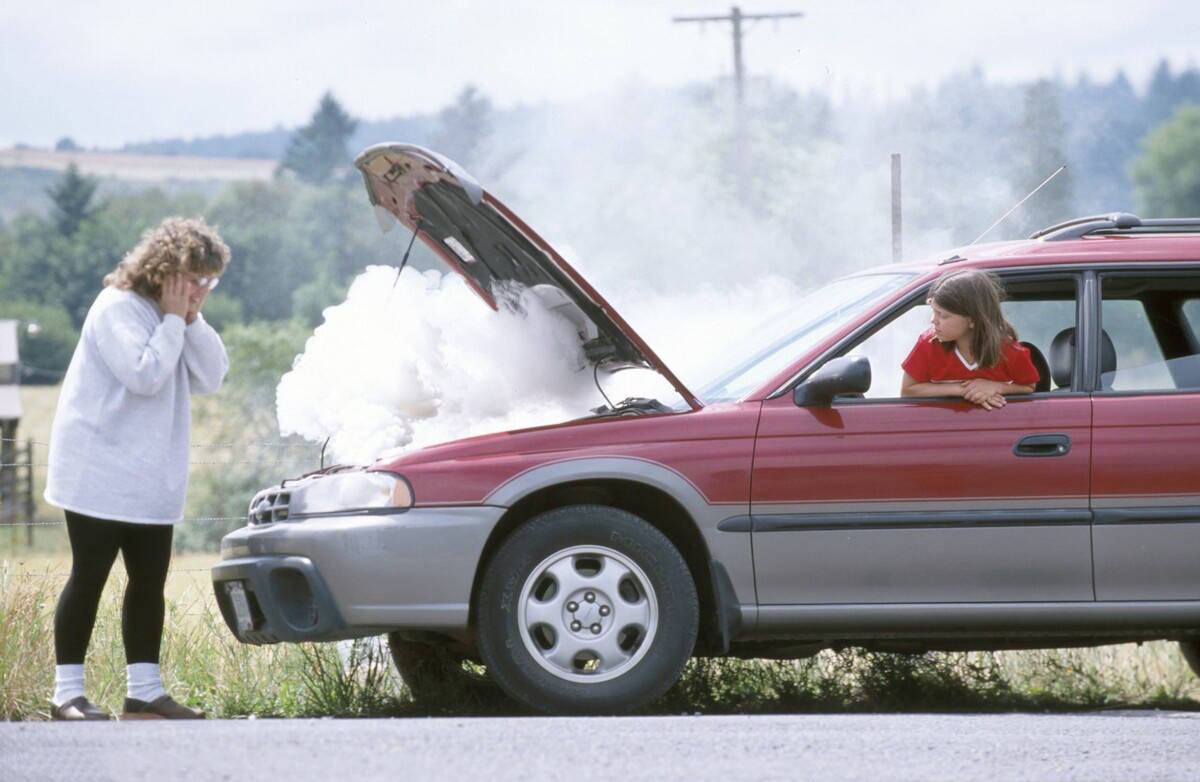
1117 224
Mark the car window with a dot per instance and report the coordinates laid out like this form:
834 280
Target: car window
782 338
1153 323
1191 316
1038 313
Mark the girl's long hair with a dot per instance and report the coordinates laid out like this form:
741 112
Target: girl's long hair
975 294
175 245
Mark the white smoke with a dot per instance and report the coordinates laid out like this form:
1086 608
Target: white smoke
419 359
691 242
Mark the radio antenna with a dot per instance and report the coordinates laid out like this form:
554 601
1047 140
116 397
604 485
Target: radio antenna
1015 206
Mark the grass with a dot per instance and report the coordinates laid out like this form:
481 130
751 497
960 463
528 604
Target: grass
202 663
205 666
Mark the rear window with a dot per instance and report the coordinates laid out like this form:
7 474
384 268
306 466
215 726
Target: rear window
1153 324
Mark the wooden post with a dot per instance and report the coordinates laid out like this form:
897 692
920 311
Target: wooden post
8 457
28 491
897 252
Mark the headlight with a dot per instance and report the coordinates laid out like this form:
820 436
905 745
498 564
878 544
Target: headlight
351 491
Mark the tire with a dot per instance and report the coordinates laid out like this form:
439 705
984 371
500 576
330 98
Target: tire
437 678
1191 653
586 609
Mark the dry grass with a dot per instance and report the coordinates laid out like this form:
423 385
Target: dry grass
202 663
142 168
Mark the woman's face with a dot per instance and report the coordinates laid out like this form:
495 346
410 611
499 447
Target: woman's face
948 326
198 286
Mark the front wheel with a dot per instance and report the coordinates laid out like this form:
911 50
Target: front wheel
586 609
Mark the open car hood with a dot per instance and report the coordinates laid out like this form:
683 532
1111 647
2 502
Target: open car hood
478 237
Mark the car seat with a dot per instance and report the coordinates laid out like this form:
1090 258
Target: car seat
1062 357
1039 363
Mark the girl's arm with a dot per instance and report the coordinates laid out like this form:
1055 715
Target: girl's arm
989 394
909 386
992 387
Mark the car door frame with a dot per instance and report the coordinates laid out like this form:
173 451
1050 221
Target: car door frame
825 616
1142 550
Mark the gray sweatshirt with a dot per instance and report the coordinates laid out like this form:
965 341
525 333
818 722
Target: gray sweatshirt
119 442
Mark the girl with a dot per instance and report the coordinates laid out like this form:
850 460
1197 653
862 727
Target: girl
119 452
971 351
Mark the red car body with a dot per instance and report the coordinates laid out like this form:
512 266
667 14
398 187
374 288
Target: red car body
805 508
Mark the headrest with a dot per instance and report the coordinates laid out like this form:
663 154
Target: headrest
1039 363
1062 356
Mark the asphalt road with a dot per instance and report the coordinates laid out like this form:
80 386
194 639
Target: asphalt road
1140 746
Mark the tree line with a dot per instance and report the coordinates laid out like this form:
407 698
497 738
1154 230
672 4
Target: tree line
299 239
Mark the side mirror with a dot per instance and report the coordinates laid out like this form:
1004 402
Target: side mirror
840 376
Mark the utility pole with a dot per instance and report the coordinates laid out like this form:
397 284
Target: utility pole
737 18
897 252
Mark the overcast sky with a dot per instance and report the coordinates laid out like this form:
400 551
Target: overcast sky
106 73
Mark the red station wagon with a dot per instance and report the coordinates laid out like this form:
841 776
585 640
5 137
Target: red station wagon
794 502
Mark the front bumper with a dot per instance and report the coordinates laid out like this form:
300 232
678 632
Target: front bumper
330 578
282 599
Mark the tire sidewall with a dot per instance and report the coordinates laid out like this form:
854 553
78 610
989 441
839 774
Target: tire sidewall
500 637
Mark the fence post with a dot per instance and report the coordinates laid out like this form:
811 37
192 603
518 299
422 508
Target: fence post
7 474
28 491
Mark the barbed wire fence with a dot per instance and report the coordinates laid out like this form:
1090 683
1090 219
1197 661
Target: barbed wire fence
17 506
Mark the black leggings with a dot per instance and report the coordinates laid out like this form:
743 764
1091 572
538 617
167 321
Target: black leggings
146 549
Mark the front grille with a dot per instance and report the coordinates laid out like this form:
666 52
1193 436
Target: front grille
268 507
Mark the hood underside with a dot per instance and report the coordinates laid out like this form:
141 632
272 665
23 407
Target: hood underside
480 239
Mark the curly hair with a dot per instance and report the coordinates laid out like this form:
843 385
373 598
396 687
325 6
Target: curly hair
176 245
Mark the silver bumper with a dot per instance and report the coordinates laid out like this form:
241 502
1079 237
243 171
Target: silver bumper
336 577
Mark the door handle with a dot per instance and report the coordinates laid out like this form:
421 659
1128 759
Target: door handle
1043 445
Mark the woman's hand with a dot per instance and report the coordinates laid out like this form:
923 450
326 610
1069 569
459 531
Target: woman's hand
173 298
199 293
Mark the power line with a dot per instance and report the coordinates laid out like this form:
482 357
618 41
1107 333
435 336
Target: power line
736 17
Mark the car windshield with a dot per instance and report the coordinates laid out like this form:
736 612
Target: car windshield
782 338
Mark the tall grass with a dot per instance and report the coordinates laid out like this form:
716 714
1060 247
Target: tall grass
205 666
1130 675
202 663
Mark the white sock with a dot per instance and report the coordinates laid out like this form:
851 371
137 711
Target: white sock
68 683
143 681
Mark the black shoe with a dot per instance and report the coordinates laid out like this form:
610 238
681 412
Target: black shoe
163 707
76 710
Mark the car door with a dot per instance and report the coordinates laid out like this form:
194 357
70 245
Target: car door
889 500
1146 452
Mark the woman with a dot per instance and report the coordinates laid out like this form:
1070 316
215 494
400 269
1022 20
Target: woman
119 452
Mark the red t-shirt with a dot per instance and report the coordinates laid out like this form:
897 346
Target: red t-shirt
930 362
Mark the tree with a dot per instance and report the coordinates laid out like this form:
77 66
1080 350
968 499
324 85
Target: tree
1040 151
318 149
1105 124
66 144
463 127
1166 175
72 197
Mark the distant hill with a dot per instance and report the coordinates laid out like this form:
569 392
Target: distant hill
270 144
175 165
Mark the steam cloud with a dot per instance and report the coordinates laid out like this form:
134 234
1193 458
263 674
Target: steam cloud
421 359
693 229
